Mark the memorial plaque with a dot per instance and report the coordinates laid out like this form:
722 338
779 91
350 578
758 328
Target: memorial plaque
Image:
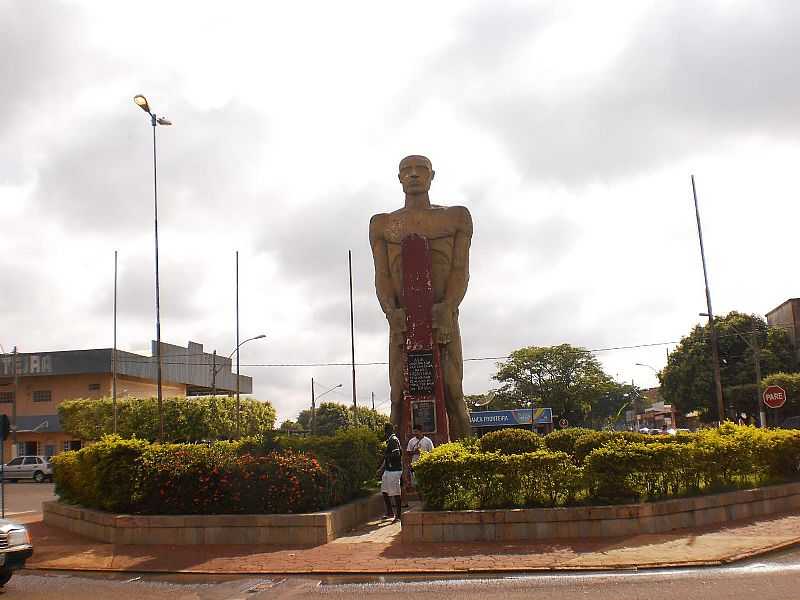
423 416
421 378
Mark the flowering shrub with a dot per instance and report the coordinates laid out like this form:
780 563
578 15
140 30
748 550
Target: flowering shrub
138 477
183 479
351 455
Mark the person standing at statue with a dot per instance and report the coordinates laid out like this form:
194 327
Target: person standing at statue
392 468
448 230
417 445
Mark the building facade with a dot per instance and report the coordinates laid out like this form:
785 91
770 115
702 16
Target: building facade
32 385
786 317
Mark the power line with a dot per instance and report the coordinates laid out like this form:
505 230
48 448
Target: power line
180 359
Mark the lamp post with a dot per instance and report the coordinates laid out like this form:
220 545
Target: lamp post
314 403
142 103
236 351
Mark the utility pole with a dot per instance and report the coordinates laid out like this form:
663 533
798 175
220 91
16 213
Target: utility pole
313 408
711 327
757 358
352 339
114 350
373 401
214 373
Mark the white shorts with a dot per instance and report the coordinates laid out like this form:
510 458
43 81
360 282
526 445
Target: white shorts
390 483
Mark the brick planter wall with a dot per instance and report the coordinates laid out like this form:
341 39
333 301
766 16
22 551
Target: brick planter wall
598 521
310 529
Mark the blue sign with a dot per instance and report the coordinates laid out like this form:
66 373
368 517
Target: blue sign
520 416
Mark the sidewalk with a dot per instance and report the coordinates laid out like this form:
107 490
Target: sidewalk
376 549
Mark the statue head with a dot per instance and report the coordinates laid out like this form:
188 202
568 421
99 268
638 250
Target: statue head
416 174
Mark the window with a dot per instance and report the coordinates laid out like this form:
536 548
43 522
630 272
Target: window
42 396
30 460
94 387
72 445
15 463
49 450
6 396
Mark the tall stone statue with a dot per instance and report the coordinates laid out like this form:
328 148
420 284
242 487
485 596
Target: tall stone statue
448 231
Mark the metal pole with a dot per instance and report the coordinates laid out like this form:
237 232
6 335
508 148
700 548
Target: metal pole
313 409
14 404
3 478
114 350
757 358
158 291
238 423
352 338
214 373
711 327
373 401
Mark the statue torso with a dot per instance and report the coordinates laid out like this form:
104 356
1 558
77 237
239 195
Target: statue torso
439 225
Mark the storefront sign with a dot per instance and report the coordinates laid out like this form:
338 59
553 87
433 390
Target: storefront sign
520 416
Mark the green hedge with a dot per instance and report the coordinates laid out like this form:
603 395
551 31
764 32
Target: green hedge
453 478
268 475
185 419
607 467
511 441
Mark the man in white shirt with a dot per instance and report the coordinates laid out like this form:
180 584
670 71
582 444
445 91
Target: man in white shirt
416 446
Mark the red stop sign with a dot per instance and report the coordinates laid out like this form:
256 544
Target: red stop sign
774 396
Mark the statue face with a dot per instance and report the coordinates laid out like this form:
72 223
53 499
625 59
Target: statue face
416 175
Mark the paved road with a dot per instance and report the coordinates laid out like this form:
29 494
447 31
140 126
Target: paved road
773 578
25 498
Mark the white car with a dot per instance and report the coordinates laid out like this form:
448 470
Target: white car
37 468
15 549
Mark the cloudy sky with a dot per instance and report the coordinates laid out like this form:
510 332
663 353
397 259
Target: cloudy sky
568 129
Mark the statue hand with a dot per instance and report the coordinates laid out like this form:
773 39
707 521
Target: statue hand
443 322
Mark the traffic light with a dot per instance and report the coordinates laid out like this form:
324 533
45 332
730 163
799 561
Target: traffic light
5 427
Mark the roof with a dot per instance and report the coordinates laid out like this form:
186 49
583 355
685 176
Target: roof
190 366
781 305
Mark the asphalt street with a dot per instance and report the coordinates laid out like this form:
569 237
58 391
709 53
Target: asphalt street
775 577
26 497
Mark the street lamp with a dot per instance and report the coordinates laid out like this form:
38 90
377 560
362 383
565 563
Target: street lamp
216 369
314 402
142 103
238 403
648 366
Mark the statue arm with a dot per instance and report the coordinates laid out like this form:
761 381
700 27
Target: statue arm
459 274
383 278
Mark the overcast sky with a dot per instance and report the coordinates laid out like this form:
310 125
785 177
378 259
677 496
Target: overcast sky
568 129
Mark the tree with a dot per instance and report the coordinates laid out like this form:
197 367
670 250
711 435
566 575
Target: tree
492 401
371 418
331 417
185 419
289 425
568 379
608 410
687 382
790 382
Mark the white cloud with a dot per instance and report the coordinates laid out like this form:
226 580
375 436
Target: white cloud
569 129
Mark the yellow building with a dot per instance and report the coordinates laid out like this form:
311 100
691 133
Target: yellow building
32 385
